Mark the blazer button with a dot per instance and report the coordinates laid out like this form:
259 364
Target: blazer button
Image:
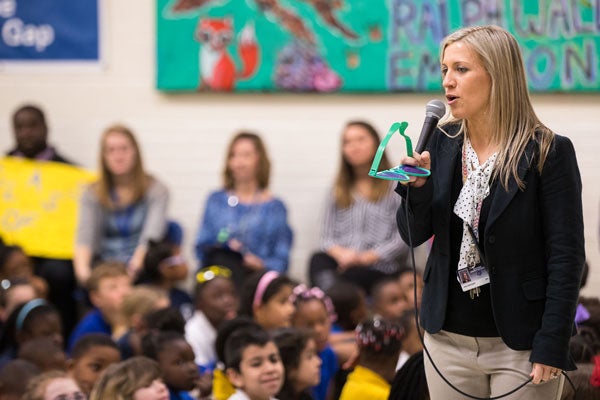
492 239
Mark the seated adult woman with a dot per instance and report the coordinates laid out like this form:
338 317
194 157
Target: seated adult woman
358 241
122 210
245 226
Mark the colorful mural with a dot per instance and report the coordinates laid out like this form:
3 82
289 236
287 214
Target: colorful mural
360 45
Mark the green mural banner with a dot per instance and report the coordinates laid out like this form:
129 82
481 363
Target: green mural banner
362 45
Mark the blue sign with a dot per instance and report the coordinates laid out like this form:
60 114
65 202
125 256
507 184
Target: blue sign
53 30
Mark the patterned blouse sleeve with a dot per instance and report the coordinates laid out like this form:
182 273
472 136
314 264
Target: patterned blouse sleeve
328 238
393 246
208 227
278 260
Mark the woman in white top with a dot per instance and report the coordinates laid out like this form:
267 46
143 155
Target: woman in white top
358 241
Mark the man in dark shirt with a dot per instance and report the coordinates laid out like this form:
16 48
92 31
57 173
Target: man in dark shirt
31 135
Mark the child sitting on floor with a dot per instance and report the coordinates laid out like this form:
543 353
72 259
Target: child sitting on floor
379 342
137 378
387 299
164 268
15 264
314 312
253 365
53 385
15 377
222 388
175 359
108 285
44 353
14 293
298 351
216 301
35 319
141 300
350 304
91 355
265 297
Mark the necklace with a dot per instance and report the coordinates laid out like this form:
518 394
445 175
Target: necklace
233 200
240 220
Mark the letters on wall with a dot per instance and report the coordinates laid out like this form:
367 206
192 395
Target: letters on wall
362 46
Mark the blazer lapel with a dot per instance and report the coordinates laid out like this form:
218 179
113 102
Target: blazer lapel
503 197
445 170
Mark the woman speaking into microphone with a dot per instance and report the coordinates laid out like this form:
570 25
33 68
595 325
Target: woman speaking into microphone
504 203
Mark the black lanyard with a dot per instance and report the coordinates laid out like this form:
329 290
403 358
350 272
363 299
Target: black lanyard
479 249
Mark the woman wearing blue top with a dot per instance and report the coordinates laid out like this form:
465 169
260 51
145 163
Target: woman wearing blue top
244 226
121 211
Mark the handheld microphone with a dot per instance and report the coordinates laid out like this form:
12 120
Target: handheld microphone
434 110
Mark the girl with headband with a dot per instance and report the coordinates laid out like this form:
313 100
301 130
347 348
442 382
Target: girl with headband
266 297
216 301
315 312
35 319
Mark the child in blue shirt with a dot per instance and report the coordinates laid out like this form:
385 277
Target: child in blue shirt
314 311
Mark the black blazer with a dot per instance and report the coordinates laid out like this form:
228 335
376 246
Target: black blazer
534 247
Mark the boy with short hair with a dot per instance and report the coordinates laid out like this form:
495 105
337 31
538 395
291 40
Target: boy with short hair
389 301
253 365
108 285
91 355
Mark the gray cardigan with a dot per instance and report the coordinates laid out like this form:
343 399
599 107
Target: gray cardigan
96 224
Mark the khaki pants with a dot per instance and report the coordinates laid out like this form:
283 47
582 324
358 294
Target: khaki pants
482 367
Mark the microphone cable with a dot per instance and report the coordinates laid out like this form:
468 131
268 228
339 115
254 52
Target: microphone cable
414 267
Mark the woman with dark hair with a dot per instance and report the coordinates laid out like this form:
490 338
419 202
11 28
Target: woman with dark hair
122 210
358 242
245 227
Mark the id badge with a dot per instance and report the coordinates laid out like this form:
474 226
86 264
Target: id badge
472 277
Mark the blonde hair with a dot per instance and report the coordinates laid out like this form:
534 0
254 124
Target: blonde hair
513 120
104 185
36 388
141 300
107 269
263 171
120 381
346 177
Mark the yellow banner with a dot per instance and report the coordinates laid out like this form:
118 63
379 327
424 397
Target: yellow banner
39 203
